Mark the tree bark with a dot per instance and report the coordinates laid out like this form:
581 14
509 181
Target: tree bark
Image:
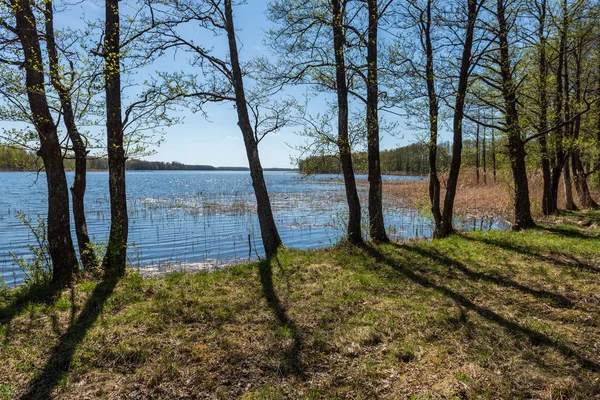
516 146
579 176
598 134
343 143
586 201
268 229
548 204
483 156
86 251
477 155
465 65
559 134
376 222
60 242
115 259
569 203
493 152
434 181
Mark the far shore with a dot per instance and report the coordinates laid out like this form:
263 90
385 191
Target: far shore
215 169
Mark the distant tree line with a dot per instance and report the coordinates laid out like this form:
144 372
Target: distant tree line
142 165
15 159
12 159
409 160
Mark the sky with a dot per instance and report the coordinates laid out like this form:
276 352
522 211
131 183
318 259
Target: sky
217 140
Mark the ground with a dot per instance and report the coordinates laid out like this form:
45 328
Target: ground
481 315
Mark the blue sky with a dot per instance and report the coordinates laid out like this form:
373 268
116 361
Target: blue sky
218 141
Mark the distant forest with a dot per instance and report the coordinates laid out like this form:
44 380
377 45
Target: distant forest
12 159
407 160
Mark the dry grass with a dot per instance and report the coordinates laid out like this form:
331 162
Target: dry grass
493 198
494 315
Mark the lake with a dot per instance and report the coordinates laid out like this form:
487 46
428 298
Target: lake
202 219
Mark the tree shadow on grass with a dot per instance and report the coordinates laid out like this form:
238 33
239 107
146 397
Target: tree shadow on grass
61 356
581 215
25 297
536 338
556 259
558 300
291 356
567 232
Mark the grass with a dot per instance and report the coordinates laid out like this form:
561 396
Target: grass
483 315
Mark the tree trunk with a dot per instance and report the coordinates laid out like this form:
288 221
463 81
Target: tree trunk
376 223
493 153
434 182
60 242
579 176
477 155
569 203
343 143
559 135
516 146
483 157
465 65
548 204
115 259
86 251
581 186
268 229
598 134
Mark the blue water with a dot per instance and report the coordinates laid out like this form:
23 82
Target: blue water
201 217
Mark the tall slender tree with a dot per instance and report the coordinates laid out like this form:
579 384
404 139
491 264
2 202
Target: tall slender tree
433 102
313 40
270 235
218 78
581 41
343 142
516 145
62 252
376 222
473 7
63 89
560 154
115 259
540 13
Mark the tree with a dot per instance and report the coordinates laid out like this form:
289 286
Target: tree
560 156
219 79
425 24
376 223
88 257
270 235
445 228
540 13
115 259
303 40
516 145
583 40
339 39
62 252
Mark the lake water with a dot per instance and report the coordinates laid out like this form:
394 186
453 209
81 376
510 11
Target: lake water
201 219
